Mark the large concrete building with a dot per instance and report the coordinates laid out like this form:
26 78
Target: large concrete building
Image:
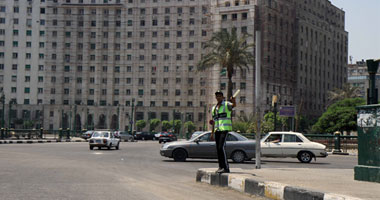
84 63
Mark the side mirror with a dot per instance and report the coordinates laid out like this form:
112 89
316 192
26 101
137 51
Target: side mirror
197 141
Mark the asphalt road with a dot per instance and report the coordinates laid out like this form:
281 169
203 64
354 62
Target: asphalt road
136 171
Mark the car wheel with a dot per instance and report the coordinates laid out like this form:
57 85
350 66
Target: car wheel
99 148
153 138
179 155
305 157
109 147
91 147
238 156
130 139
159 141
142 138
117 146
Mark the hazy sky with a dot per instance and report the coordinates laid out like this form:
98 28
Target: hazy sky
363 27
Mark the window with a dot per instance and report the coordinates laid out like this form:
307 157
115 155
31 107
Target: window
291 138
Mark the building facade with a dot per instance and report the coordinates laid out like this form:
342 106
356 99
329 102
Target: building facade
358 76
88 63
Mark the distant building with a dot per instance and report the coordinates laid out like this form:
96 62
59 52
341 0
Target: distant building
357 76
84 63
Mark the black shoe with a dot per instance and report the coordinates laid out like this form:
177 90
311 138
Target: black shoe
220 171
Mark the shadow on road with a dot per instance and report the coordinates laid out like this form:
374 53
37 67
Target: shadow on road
252 162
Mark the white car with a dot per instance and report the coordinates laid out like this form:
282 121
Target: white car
104 139
291 144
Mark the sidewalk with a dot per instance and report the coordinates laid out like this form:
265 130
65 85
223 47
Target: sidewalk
294 183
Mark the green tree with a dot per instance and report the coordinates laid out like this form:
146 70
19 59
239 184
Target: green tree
166 125
240 126
177 125
268 122
229 51
28 124
340 116
140 124
153 124
189 126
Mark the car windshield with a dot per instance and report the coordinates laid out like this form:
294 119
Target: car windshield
195 134
100 134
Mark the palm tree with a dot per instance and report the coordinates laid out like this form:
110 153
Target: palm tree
229 51
347 91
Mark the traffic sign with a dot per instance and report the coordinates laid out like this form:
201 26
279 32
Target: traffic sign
287 111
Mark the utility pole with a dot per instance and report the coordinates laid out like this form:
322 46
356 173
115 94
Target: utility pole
258 94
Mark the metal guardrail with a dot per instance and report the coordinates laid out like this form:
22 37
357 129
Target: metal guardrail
335 143
38 133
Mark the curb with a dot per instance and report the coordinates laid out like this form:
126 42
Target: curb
271 190
37 141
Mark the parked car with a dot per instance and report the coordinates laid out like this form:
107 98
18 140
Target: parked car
86 135
125 136
167 137
157 135
144 136
104 139
238 148
291 144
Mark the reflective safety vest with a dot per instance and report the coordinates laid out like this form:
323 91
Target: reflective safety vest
222 117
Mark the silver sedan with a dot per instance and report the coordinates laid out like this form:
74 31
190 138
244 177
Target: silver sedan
238 148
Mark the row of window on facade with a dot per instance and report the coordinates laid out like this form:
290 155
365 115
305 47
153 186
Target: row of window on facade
127 103
129 34
129 22
16 9
117 69
131 11
129 57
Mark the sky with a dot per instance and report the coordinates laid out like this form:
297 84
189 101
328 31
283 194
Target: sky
363 27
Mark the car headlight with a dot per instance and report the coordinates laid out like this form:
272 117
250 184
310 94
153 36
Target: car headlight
167 146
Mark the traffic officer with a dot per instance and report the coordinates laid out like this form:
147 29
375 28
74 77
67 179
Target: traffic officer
222 124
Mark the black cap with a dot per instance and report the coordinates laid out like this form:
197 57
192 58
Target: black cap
219 92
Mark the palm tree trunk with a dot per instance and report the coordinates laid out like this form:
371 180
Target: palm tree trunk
229 90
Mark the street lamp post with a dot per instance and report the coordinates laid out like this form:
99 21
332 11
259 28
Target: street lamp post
131 121
10 115
274 105
87 112
204 118
118 117
173 122
75 119
3 115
